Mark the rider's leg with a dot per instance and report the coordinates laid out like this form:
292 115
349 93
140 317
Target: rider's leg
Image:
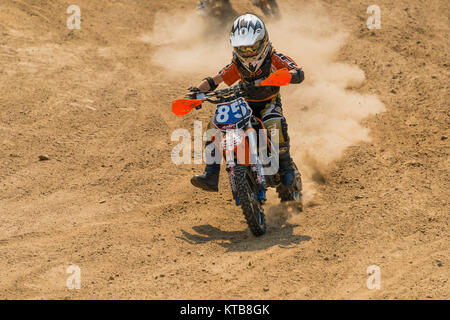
209 180
272 117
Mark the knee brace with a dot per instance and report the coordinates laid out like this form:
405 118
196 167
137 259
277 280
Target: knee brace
280 125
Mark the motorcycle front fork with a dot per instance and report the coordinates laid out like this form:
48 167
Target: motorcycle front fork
255 166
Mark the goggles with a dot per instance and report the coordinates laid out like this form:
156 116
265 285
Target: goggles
248 51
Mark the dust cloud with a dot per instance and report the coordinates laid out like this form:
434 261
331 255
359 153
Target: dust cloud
323 113
190 46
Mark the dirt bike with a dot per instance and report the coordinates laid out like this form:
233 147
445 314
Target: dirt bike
217 8
269 7
248 171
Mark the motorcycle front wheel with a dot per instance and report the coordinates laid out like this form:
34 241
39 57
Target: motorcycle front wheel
251 206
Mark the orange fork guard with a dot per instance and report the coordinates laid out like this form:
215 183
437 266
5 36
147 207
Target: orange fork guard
279 78
182 107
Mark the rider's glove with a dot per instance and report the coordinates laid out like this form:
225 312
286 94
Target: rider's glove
194 91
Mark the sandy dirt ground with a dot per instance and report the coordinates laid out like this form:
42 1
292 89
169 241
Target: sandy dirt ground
109 199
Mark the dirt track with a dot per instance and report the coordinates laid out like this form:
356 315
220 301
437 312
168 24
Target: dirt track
111 201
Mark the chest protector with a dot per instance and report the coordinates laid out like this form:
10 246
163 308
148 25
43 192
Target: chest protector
258 93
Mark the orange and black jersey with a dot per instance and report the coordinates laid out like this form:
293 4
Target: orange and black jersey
236 71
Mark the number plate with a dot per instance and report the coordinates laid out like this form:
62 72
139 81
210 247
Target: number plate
228 114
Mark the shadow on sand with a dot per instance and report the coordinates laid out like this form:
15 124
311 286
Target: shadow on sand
279 233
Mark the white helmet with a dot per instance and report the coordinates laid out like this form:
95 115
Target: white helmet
250 41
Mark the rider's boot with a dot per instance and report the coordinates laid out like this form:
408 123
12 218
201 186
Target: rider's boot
290 176
287 169
208 180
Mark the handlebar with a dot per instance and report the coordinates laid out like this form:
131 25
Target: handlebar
228 94
281 77
180 107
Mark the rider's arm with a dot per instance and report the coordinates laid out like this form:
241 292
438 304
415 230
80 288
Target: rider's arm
210 83
228 74
281 61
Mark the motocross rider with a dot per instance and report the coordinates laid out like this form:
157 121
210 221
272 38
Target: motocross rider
254 59
204 7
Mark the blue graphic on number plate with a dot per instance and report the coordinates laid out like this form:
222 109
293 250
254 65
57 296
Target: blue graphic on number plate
231 112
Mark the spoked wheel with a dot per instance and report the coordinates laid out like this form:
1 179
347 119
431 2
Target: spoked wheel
251 206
